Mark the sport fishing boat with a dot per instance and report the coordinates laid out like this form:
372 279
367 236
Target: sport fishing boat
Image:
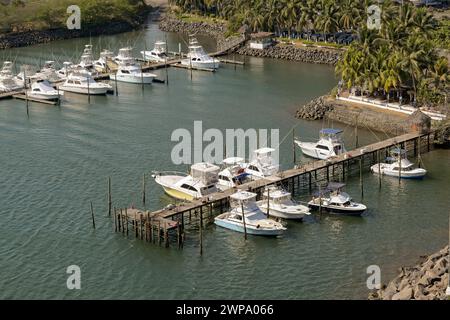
157 54
7 80
43 90
334 200
233 173
398 165
262 164
199 183
198 58
330 144
131 72
245 216
80 81
281 205
101 65
67 68
124 55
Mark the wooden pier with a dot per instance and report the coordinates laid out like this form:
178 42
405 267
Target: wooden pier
298 180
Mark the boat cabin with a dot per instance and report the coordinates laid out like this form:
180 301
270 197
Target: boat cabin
245 199
205 172
263 163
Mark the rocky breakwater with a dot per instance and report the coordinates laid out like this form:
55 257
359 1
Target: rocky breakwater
362 116
294 53
316 109
425 281
217 30
31 37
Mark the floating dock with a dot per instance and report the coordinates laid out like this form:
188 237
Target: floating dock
22 96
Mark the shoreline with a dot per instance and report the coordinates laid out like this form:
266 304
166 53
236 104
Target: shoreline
33 37
170 23
427 280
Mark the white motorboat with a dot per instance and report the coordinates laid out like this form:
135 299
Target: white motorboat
67 68
157 54
329 145
81 81
262 164
131 72
245 216
101 65
42 89
7 81
47 72
124 55
334 200
233 173
198 58
198 184
399 166
281 205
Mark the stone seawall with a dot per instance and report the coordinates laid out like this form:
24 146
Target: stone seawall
28 38
289 52
332 109
218 30
426 281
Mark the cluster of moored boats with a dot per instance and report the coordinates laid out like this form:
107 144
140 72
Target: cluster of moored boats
50 83
257 217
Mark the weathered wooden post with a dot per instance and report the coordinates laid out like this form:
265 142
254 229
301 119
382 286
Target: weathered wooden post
143 189
126 219
243 219
115 220
293 146
268 203
361 176
109 196
89 91
201 231
115 79
92 214
379 169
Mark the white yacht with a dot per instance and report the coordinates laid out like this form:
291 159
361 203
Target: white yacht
101 65
233 173
245 216
198 184
81 81
67 68
281 205
329 145
198 58
157 54
334 200
398 165
42 89
124 55
131 72
7 80
262 164
47 72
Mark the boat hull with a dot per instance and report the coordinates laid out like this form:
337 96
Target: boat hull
250 230
283 214
201 65
79 90
174 193
44 96
308 149
135 79
412 174
338 211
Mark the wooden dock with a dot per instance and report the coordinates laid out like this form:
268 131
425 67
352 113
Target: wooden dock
22 96
298 180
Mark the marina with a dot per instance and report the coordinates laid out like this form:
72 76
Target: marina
57 162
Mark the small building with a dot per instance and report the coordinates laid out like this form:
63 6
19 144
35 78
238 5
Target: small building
261 40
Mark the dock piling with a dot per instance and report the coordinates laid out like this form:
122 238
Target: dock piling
109 196
92 214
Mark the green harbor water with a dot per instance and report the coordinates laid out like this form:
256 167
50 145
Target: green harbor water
57 160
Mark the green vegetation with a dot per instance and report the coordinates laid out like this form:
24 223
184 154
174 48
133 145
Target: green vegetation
402 57
37 15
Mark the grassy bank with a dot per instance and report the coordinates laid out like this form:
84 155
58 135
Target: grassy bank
23 15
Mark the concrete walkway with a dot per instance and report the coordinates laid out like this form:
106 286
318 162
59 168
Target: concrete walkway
407 109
